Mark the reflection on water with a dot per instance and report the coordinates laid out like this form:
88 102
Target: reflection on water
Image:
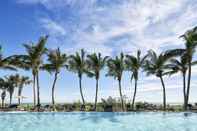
135 121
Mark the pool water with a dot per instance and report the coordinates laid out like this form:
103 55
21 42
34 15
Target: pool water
98 121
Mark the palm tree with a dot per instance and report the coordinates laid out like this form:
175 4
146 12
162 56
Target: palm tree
23 80
3 93
95 63
115 69
190 38
5 64
32 61
77 64
158 65
11 83
57 60
133 64
180 66
38 51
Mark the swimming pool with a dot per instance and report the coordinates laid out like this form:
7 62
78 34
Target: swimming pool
98 121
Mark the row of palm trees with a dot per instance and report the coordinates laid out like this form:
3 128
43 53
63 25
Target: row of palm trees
10 83
165 63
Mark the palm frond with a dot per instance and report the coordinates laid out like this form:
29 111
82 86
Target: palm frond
77 62
56 61
194 63
116 67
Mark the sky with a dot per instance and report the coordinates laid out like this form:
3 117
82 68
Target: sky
106 26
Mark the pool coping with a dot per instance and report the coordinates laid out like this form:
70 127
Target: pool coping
81 112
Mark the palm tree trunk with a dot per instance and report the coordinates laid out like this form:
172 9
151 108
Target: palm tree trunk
10 98
3 95
38 90
121 97
19 100
184 92
96 96
164 93
19 94
53 91
188 84
34 89
2 103
134 95
81 92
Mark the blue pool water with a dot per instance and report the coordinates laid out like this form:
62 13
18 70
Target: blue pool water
98 121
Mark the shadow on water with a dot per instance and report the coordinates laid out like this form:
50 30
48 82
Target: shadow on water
97 117
187 114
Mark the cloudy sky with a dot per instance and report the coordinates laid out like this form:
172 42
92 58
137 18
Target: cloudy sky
106 26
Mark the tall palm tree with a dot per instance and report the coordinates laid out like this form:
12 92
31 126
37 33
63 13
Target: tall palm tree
32 61
57 61
180 66
115 69
95 63
133 64
190 38
23 80
158 65
77 64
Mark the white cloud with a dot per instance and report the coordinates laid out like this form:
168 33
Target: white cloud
149 24
52 27
126 26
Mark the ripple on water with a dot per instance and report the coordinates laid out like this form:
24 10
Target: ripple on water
98 121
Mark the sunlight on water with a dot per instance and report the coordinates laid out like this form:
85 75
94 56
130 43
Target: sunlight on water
98 122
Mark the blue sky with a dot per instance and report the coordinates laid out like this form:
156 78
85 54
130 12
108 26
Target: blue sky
106 26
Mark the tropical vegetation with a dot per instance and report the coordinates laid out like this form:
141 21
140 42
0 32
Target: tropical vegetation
95 63
116 67
38 57
57 61
134 64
